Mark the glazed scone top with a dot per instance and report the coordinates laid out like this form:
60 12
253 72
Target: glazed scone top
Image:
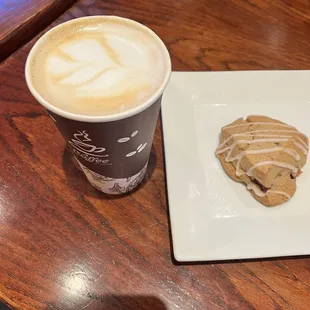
263 149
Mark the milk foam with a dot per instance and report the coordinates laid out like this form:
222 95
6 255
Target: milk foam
99 66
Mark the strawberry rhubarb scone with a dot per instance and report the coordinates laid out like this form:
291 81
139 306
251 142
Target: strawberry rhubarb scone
265 154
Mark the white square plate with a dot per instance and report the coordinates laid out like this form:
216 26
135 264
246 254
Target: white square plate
212 217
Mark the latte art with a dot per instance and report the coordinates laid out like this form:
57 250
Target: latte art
98 67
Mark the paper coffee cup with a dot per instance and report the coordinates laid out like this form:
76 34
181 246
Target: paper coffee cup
112 150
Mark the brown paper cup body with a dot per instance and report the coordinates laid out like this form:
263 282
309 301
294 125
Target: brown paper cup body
112 150
113 155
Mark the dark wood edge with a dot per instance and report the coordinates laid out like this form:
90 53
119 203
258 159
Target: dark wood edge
30 28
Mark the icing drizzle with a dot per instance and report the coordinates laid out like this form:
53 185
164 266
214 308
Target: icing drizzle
258 192
257 123
264 136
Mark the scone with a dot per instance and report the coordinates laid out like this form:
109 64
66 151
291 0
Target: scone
265 154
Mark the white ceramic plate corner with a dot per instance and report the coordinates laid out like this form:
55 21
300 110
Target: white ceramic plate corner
213 217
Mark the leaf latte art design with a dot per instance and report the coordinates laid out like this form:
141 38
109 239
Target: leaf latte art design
94 70
100 67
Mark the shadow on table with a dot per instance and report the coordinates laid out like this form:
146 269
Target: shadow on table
120 302
78 180
4 306
238 261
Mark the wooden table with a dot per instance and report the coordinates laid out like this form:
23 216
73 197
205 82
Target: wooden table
21 20
64 245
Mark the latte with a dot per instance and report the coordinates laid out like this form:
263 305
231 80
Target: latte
98 65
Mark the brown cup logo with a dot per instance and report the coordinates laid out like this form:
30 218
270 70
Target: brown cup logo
116 149
81 147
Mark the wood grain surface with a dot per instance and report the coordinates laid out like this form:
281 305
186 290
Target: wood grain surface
64 245
21 20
